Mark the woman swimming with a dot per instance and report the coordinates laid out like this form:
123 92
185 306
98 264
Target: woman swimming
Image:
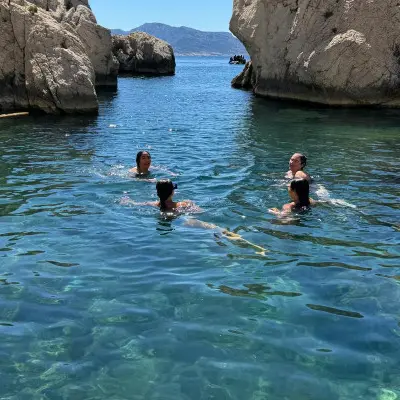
144 168
143 163
165 192
299 192
297 164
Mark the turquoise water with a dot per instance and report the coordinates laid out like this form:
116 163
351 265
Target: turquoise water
104 301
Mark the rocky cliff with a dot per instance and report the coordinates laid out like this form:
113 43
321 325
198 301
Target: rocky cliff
142 54
52 56
335 52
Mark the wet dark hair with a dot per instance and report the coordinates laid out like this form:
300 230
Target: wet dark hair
302 189
164 189
138 155
303 160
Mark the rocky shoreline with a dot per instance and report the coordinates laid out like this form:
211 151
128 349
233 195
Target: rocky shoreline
54 56
337 53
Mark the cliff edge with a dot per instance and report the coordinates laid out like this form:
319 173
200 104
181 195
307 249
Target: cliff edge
53 56
334 52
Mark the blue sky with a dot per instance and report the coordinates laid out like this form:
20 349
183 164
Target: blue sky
206 15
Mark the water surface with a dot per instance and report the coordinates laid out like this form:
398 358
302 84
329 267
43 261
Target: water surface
104 301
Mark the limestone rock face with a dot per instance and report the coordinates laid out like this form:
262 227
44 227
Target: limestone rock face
98 44
141 53
245 79
44 61
335 52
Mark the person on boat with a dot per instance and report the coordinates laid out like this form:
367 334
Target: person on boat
143 163
299 192
297 164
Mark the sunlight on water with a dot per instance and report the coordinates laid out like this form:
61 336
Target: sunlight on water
105 300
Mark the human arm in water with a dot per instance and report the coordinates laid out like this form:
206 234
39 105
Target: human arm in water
125 201
155 167
287 208
134 171
179 205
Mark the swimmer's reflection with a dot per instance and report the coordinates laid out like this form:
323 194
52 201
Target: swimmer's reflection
164 225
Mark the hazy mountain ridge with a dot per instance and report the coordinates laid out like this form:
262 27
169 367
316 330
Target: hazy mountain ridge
189 41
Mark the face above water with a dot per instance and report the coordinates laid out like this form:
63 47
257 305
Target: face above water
295 163
145 161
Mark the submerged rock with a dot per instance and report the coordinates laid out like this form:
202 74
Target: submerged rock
53 55
336 52
140 53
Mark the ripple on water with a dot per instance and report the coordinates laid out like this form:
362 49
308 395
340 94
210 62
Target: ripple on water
101 300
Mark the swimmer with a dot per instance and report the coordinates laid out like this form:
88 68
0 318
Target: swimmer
165 192
299 191
296 165
143 166
143 163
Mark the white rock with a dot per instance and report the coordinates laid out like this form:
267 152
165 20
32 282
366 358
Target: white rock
141 53
52 56
336 52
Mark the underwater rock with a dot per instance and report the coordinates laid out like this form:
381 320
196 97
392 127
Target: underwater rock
142 54
336 52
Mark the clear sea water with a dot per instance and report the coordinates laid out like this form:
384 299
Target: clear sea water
100 300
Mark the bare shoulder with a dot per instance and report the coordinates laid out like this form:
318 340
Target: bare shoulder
133 170
188 205
185 204
302 175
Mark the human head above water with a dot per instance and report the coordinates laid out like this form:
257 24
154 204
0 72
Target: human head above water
165 189
299 191
143 161
297 162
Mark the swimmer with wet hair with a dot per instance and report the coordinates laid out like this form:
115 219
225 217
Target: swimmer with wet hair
297 164
143 163
165 192
144 167
299 192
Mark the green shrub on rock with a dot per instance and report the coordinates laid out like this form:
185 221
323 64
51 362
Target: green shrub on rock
33 9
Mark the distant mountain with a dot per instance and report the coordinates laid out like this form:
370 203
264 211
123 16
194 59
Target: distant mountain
188 41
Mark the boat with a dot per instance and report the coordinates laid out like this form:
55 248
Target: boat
235 60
